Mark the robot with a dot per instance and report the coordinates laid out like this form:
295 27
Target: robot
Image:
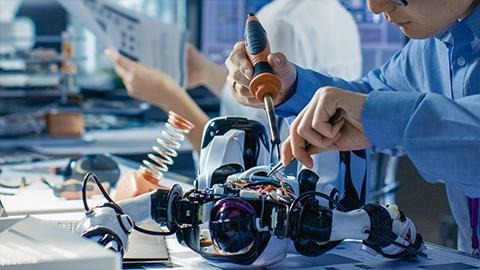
237 217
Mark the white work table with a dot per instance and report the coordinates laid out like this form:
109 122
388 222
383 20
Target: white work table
346 256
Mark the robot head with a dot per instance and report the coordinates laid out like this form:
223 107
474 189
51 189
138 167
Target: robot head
240 223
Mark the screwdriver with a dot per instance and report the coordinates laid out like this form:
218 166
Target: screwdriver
337 116
264 85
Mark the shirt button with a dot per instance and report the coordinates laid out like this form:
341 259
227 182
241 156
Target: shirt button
461 61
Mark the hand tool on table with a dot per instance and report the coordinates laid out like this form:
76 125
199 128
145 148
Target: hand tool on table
337 116
265 85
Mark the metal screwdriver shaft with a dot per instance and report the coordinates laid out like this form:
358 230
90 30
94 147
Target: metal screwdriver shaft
272 120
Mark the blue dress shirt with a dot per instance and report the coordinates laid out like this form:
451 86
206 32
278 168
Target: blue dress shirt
424 101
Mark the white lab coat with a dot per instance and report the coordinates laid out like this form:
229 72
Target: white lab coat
314 34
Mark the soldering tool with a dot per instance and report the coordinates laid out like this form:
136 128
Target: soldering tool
265 85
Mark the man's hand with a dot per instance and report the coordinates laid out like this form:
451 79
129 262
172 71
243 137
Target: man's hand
312 126
240 72
143 82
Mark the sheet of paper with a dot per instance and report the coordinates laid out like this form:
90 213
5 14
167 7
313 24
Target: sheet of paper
31 241
144 39
84 15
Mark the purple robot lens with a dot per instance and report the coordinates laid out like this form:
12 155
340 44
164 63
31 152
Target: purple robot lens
232 226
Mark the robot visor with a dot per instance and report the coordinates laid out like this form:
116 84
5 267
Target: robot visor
232 226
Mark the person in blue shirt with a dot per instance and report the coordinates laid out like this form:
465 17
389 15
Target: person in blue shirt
424 102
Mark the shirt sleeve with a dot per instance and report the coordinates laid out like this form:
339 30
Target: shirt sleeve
440 135
309 81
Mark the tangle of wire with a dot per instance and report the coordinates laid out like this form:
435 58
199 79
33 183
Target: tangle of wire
92 176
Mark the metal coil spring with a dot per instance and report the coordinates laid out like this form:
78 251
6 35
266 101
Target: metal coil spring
176 130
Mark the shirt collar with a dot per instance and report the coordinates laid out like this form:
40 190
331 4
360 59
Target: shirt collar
445 36
473 21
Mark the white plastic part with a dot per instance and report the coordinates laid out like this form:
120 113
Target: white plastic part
249 194
349 225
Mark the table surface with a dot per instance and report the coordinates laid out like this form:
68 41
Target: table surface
348 255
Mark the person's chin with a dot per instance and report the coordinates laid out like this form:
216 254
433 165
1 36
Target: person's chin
410 32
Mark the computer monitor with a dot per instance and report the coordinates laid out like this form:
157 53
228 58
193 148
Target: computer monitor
222 25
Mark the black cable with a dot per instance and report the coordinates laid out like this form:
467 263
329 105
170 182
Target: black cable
10 187
400 245
23 183
94 177
313 194
87 177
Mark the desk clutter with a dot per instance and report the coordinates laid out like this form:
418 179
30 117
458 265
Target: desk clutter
72 174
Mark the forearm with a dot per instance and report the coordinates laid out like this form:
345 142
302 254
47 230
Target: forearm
215 78
181 103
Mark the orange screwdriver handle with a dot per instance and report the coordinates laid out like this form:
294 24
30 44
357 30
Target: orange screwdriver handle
264 82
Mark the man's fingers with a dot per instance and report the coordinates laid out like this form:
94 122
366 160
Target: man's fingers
240 58
287 154
332 146
238 61
321 120
279 63
238 88
312 150
298 143
299 152
307 131
312 136
239 79
240 94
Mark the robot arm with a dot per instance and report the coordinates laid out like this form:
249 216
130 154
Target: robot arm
385 230
110 224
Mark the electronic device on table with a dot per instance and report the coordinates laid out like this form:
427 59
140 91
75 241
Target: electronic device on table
237 217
